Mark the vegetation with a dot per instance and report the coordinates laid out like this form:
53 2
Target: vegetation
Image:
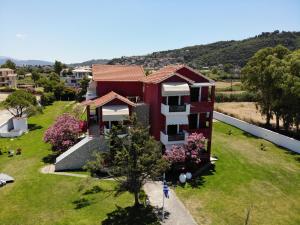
273 75
236 53
9 64
63 133
21 103
232 97
188 155
267 181
50 199
133 159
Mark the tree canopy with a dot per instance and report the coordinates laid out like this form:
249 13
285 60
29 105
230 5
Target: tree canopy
9 64
273 75
133 158
21 103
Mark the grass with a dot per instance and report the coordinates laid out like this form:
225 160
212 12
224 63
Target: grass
37 198
266 182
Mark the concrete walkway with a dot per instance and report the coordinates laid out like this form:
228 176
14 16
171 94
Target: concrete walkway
175 211
50 169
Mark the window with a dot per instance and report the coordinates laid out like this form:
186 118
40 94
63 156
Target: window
194 94
193 121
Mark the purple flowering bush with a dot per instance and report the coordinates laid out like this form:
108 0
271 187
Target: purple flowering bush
188 154
63 133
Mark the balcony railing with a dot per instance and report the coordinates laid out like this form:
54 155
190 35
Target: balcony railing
176 137
175 109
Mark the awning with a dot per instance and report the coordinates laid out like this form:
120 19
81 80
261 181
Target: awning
205 84
115 113
175 89
178 119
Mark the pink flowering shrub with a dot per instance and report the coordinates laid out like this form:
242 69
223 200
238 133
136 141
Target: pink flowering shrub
63 133
176 154
189 153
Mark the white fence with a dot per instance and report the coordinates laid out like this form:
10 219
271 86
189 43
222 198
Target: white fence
271 136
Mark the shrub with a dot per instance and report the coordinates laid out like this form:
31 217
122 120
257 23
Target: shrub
188 154
47 98
241 97
64 133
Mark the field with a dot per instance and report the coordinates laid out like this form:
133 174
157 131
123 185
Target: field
265 182
246 111
37 198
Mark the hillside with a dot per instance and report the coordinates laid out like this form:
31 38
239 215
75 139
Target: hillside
222 52
90 62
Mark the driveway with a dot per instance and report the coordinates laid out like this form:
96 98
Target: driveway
176 213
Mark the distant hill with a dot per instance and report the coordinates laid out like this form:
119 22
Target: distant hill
19 62
222 52
90 62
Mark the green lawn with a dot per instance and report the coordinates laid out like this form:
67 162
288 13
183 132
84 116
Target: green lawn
37 198
246 177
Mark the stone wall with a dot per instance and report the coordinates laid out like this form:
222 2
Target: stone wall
77 156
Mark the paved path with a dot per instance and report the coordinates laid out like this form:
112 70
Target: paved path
50 169
176 212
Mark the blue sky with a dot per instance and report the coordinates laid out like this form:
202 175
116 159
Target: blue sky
78 30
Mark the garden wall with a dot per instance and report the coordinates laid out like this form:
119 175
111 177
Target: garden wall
278 139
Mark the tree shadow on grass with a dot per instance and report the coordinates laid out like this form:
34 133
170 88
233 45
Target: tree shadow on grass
33 126
50 159
295 155
82 202
199 176
132 215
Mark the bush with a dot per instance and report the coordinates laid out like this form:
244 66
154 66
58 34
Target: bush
64 133
7 89
47 98
241 97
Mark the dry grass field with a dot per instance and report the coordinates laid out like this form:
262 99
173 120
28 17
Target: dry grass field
246 111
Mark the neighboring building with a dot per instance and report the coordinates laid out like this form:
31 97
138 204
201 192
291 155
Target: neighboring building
179 101
78 74
8 78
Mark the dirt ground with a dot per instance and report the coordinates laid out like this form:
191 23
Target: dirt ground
246 111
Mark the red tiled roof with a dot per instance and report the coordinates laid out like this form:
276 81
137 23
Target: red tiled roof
164 74
107 98
117 73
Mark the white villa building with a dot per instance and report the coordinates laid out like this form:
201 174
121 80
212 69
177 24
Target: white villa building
77 74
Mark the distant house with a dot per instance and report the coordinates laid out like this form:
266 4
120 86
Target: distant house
73 80
8 78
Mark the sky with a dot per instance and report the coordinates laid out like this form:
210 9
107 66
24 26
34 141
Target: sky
80 30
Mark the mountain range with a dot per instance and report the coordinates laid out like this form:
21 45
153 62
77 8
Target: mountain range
197 56
20 62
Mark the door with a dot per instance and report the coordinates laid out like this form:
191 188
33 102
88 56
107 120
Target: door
193 121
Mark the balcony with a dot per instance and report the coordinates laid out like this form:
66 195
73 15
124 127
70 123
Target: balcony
173 139
175 109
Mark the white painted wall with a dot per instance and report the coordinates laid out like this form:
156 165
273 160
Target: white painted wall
278 139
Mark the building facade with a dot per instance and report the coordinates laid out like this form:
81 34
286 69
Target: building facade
174 101
8 78
73 80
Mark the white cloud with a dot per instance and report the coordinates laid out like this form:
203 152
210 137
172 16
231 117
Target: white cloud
21 36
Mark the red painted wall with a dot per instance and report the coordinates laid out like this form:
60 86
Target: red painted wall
152 96
122 88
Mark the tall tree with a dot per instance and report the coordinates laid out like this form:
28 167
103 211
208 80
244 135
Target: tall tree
58 66
133 159
9 64
263 75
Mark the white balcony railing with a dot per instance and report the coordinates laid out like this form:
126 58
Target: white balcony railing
180 138
175 109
